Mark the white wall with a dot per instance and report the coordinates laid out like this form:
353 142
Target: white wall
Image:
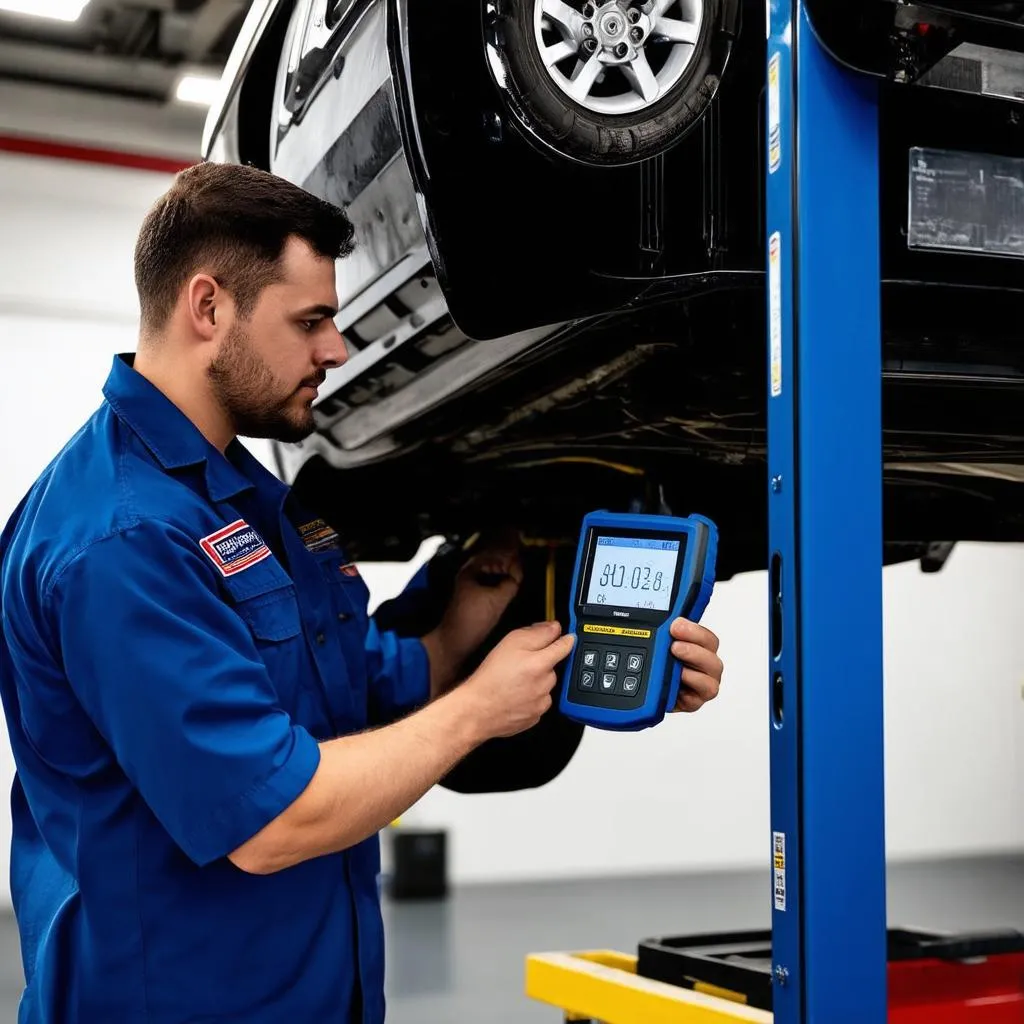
692 794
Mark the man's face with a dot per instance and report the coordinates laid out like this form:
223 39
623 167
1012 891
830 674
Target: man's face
268 368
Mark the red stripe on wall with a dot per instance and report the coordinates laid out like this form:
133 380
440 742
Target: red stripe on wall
92 154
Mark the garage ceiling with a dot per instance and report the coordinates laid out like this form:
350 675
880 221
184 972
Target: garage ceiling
129 48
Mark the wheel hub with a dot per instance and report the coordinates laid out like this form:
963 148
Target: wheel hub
617 56
616 29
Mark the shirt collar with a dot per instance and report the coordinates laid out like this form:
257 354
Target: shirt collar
175 441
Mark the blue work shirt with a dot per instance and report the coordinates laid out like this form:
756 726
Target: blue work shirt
177 637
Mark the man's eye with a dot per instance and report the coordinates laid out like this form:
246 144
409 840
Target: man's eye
308 325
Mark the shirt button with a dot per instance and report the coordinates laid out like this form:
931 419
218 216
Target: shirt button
343 616
320 638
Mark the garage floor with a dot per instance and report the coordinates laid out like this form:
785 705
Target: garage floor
460 961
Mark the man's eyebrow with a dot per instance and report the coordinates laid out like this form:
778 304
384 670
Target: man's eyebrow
324 311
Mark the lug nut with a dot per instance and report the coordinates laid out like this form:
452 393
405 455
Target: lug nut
636 34
590 45
588 29
589 9
634 15
621 50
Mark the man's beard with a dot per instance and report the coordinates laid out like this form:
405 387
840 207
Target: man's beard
253 397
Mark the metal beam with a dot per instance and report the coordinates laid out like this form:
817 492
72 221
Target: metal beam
55 65
209 25
825 532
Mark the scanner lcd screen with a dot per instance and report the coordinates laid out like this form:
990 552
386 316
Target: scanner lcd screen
633 572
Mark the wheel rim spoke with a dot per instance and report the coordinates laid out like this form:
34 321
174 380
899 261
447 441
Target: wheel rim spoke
568 20
553 54
581 84
675 31
658 7
641 77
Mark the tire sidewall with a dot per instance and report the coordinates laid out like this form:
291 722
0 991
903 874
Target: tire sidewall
592 137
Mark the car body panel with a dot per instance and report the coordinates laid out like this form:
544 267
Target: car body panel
561 241
362 169
223 113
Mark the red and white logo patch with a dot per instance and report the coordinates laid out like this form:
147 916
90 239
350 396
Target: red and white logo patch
235 548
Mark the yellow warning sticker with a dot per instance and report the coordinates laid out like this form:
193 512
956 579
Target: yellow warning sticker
779 864
618 631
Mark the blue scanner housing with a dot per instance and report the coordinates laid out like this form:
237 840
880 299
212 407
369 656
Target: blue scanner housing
634 575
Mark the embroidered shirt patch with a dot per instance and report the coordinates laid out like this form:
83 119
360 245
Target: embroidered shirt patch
318 536
235 548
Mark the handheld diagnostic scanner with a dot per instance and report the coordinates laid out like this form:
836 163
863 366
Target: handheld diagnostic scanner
634 575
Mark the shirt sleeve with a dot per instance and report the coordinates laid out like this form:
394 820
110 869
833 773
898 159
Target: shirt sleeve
171 678
399 674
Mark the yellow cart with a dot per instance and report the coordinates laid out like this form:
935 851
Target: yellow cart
602 986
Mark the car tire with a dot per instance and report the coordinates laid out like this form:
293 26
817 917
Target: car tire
560 124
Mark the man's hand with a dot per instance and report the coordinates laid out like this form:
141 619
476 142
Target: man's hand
697 648
511 691
484 588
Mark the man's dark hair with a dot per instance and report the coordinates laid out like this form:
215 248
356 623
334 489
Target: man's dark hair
232 221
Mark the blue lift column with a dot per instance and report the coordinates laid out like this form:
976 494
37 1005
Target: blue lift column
825 532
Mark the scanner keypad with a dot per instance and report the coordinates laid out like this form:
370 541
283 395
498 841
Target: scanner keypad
611 669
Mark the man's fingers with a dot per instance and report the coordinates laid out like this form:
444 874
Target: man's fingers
694 633
538 636
500 551
702 686
559 650
689 702
699 658
493 568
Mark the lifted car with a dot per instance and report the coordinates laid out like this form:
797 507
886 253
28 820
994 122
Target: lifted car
556 302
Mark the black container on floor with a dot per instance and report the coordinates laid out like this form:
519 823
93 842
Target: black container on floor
419 864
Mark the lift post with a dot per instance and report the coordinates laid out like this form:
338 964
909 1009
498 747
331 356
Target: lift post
825 532
824 484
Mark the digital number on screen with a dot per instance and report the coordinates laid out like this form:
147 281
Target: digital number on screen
633 572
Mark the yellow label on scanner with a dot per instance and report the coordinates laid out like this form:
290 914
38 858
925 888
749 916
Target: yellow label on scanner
618 631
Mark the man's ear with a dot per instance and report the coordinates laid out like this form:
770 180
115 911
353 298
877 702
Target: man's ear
205 302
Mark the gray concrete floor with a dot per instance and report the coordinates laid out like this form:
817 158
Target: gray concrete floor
461 960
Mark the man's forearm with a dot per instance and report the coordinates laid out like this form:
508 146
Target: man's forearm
363 783
445 658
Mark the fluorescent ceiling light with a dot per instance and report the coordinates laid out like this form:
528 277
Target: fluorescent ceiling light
61 10
202 89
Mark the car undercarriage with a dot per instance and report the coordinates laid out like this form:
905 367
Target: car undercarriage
637 410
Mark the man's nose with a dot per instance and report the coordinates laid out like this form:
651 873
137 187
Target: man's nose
334 351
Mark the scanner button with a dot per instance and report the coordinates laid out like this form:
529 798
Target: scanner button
630 684
587 680
634 663
590 659
611 659
608 682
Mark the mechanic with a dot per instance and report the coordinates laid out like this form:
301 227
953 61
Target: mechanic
208 728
